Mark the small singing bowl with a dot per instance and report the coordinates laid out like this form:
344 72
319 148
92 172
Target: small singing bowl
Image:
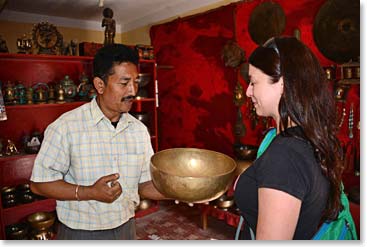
23 187
245 152
192 175
8 190
17 231
41 220
242 166
144 204
225 201
144 79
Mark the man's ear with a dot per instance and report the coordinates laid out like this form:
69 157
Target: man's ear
99 85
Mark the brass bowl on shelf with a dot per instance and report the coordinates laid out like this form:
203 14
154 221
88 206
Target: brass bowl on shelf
18 231
192 175
41 220
242 166
225 202
245 152
144 204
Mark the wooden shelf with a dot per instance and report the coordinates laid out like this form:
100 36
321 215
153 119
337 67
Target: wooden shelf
46 105
18 213
34 57
23 120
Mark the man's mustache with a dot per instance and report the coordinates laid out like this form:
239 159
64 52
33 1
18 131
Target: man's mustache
129 97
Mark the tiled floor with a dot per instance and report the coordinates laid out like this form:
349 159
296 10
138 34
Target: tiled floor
181 222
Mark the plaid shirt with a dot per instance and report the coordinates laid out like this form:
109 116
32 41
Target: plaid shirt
80 147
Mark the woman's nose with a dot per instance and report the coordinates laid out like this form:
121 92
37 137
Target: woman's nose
249 91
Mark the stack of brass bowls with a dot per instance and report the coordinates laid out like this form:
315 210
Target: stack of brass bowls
41 223
192 175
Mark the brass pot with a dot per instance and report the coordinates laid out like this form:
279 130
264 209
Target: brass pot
192 175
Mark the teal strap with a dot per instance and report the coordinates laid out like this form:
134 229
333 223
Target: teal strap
266 141
239 228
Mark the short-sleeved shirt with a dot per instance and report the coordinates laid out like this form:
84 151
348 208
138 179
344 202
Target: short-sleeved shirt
288 165
80 147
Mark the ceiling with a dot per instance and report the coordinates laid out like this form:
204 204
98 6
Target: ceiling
87 14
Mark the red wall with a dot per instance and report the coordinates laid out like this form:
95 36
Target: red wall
195 97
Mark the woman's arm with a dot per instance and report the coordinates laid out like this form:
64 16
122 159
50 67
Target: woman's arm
278 215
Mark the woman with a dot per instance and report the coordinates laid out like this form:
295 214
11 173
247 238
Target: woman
295 184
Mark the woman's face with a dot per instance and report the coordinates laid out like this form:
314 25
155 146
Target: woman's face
264 94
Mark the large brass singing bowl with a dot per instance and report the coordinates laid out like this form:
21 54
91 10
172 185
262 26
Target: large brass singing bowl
192 175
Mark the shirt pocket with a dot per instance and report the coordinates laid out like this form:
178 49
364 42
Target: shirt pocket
131 166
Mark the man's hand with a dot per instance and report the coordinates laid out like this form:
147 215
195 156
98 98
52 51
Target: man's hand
107 188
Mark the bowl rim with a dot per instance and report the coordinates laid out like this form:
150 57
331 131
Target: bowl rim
195 149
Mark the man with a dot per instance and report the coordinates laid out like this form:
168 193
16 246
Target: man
95 159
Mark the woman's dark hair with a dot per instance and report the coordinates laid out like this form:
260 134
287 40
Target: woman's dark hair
110 55
308 102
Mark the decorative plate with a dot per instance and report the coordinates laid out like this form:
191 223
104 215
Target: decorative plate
46 38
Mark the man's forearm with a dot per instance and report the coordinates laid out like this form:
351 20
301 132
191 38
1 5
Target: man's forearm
60 190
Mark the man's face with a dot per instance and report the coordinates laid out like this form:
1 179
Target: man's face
121 84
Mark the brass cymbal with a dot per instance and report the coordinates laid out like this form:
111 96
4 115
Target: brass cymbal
267 20
336 30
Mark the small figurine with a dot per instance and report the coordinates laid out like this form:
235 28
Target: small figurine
30 96
83 88
73 47
60 95
20 94
51 94
11 149
110 25
9 96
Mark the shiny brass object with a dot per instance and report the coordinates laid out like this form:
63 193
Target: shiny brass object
348 73
225 202
242 166
192 175
232 54
357 72
41 220
336 30
24 44
267 20
60 95
239 95
29 95
245 152
144 204
11 149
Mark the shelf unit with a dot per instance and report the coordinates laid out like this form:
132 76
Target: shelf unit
24 119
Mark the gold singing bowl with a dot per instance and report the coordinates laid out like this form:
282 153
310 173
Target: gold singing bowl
41 220
192 175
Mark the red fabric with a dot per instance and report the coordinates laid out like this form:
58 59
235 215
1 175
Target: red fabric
196 97
196 108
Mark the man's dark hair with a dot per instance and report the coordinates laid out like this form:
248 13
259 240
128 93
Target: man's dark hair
110 55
